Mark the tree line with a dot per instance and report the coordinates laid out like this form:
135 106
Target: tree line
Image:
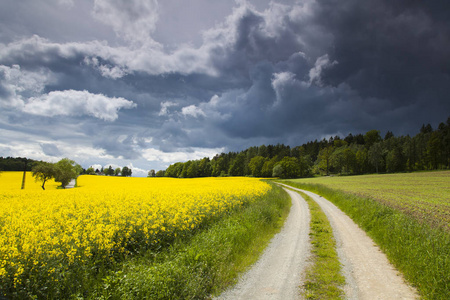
26 164
16 163
354 154
125 171
62 171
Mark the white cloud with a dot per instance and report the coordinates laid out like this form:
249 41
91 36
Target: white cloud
134 20
246 35
315 73
137 172
113 166
32 147
280 82
165 107
76 103
18 84
192 111
116 61
214 101
280 79
95 166
182 155
108 71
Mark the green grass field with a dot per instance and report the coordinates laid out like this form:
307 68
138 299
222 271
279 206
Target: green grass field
423 195
407 215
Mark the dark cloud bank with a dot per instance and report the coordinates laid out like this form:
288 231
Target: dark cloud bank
283 74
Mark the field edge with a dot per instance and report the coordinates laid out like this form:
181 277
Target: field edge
417 250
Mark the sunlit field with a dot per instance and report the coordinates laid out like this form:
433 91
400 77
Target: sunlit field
425 195
12 181
45 235
407 215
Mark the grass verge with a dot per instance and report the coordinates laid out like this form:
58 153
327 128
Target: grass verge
203 264
323 279
420 252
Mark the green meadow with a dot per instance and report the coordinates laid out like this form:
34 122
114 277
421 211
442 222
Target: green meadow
406 214
423 195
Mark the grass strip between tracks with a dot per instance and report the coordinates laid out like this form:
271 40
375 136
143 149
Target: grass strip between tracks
420 252
323 278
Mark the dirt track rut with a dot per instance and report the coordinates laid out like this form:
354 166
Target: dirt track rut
277 273
369 275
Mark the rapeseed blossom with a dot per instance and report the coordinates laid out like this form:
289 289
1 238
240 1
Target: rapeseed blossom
104 218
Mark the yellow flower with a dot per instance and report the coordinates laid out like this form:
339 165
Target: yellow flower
106 215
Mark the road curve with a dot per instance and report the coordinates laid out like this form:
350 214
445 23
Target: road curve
369 275
277 274
71 184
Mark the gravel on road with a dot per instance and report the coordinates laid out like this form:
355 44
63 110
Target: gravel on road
367 271
277 274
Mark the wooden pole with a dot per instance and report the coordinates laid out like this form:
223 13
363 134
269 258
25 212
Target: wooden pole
24 176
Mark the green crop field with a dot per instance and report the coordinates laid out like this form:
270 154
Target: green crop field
423 195
407 215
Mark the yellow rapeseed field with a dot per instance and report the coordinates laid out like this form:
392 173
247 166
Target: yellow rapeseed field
12 181
53 230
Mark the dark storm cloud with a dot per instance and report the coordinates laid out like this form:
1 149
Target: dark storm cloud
355 75
249 37
389 49
387 66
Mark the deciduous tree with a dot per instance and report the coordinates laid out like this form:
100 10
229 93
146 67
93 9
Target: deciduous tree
117 172
375 155
237 166
66 170
126 171
371 137
43 171
256 164
289 168
325 159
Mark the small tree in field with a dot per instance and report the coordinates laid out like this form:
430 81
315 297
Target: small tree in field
66 170
117 172
90 171
109 171
126 171
43 171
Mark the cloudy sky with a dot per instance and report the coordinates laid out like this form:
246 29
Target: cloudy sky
146 83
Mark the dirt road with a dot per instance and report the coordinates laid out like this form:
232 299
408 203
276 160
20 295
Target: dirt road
369 275
71 184
277 273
